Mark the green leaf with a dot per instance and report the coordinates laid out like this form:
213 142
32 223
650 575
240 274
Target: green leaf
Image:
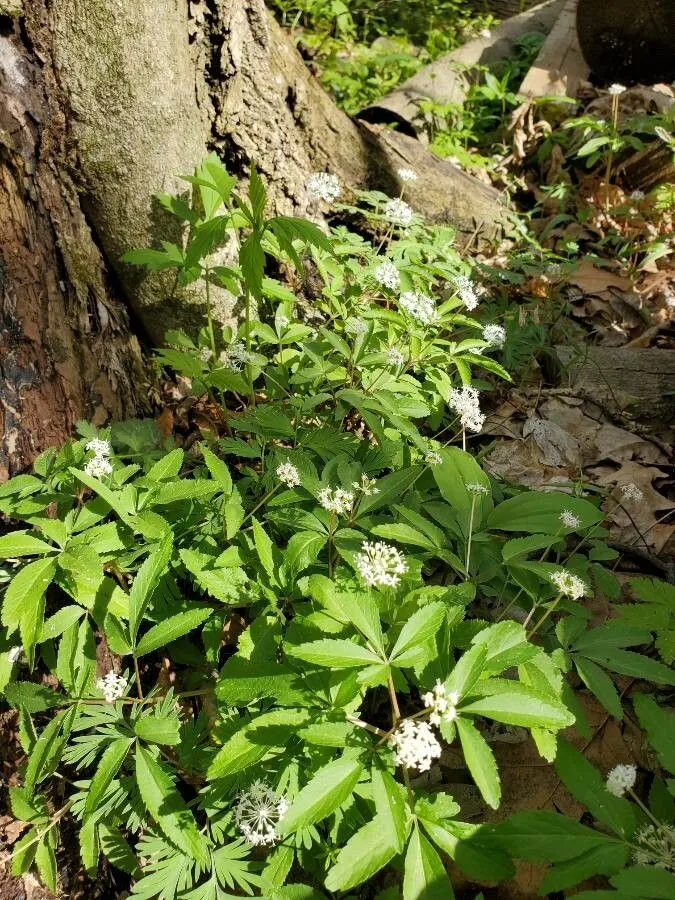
45 860
158 729
115 499
255 739
476 856
420 628
302 550
24 601
48 747
645 881
146 580
117 851
480 761
168 466
263 546
424 876
327 790
364 854
218 469
659 724
32 697
390 488
599 683
22 543
252 262
109 765
601 860
171 629
391 808
167 807
538 513
330 652
364 615
545 836
467 671
61 621
583 780
520 704
626 662
452 476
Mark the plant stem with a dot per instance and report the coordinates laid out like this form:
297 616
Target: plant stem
209 315
644 809
139 689
394 701
247 319
468 543
258 505
544 617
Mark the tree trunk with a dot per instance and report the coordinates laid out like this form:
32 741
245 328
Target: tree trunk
65 347
105 103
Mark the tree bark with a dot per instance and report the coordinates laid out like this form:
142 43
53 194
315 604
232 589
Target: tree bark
65 347
104 104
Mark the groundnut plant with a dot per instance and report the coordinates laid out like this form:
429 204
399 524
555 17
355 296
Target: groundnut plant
239 661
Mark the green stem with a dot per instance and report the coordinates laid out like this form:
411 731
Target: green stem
541 621
468 543
247 319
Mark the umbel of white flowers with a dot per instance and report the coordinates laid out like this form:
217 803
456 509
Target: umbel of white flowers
398 212
443 705
465 402
380 565
621 779
336 500
655 846
568 585
99 465
324 186
466 291
113 686
415 745
495 335
568 519
407 175
387 275
418 306
235 356
258 811
288 474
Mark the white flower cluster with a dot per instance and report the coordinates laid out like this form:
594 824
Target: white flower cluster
615 89
336 500
568 519
206 354
99 466
380 565
418 306
324 186
473 487
257 813
14 654
621 779
495 335
288 474
415 745
443 706
655 846
433 458
466 403
398 212
569 585
466 291
235 357
407 174
395 357
113 686
637 196
366 486
387 275
356 325
631 492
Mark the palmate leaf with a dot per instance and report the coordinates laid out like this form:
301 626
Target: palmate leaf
24 601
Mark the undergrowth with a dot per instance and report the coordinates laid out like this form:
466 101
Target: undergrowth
238 662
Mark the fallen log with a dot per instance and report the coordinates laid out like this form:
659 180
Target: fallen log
648 168
560 66
444 81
